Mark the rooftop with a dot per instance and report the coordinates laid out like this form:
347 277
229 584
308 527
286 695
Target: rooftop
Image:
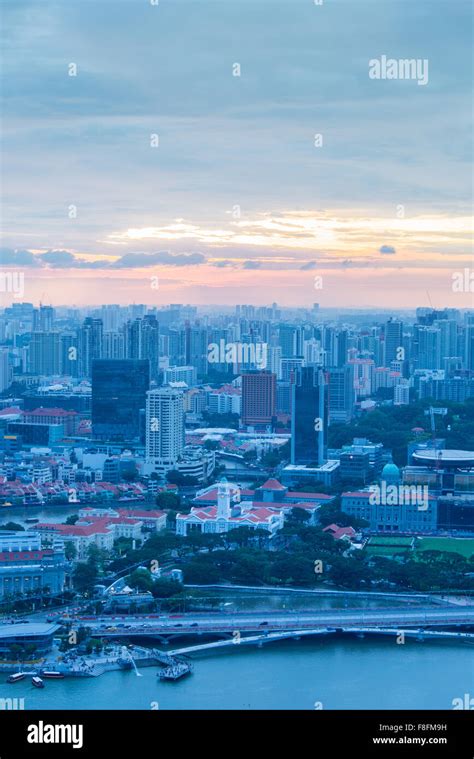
33 628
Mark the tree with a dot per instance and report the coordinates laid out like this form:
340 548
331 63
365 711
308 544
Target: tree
211 445
243 536
270 459
72 519
140 579
200 573
16 651
165 588
70 551
294 570
12 527
250 455
85 576
97 556
168 500
299 515
197 540
348 573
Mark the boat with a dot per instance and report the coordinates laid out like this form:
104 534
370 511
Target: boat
50 674
32 520
16 677
37 682
175 671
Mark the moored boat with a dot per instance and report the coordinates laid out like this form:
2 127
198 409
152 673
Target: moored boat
16 677
52 674
37 682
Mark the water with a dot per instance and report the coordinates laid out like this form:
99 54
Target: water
340 673
231 600
20 514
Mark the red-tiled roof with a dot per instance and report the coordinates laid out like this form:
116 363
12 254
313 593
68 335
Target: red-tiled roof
338 532
318 496
49 412
272 484
152 514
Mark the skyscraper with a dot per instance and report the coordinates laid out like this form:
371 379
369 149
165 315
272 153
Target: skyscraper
196 347
165 438
5 370
258 398
89 345
469 343
341 393
44 353
309 417
119 388
393 341
427 347
142 340
43 319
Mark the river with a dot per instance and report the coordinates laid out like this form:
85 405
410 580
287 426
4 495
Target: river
330 673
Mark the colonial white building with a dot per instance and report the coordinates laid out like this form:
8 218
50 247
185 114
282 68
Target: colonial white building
229 513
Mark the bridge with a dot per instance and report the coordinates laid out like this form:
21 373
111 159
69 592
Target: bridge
262 638
215 623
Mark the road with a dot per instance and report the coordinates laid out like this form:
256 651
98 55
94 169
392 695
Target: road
196 623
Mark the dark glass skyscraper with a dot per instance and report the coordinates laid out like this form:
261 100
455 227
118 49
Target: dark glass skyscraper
309 418
393 341
119 388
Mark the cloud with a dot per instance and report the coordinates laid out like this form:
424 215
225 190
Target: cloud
308 265
251 265
223 264
59 259
11 257
136 260
387 250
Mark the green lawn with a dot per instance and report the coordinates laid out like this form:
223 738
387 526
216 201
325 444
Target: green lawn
384 550
464 546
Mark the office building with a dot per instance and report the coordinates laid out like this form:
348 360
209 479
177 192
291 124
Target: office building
165 437
309 416
258 398
119 388
341 394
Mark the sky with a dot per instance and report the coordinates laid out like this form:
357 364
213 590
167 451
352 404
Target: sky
237 151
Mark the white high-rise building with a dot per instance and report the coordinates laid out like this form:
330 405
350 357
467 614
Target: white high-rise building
313 354
185 374
165 438
274 360
402 393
